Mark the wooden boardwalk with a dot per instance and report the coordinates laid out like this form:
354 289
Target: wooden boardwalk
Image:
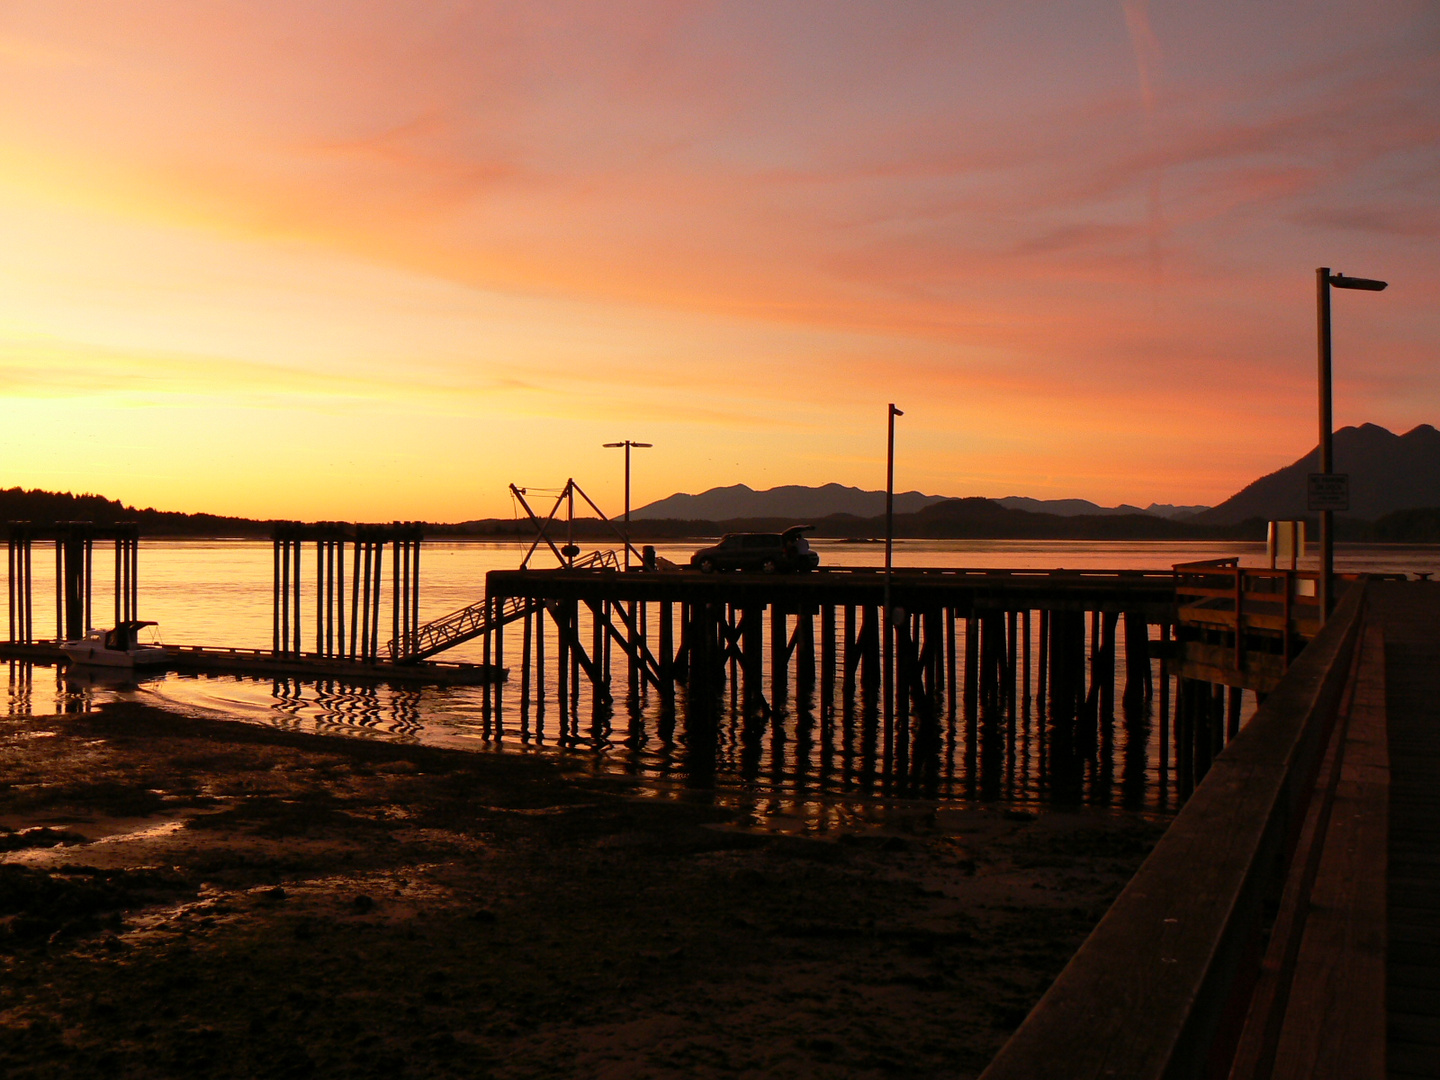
1288 923
1410 617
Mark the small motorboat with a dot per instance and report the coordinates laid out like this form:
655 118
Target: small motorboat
117 648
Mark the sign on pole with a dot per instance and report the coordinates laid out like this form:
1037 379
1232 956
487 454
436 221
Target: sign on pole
1329 491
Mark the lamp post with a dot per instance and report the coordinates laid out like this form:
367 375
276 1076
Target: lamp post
627 444
889 551
1336 492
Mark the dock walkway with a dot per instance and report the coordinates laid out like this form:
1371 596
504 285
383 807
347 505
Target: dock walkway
1288 923
1410 616
208 660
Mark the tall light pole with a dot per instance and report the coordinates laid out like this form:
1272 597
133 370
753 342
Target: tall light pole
1327 492
886 675
627 444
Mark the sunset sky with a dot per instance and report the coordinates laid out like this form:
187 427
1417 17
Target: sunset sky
377 259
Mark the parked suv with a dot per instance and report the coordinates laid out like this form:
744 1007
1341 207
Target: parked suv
785 552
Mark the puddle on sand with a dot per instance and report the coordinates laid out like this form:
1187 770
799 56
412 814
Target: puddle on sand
104 834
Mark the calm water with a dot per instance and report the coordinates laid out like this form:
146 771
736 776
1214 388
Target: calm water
219 593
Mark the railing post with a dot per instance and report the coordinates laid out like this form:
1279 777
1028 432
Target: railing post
1239 619
1285 633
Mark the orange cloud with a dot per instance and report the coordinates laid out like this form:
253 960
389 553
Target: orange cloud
741 225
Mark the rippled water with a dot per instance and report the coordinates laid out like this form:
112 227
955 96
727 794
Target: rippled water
219 593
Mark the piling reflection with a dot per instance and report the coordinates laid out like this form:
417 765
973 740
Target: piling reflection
1057 707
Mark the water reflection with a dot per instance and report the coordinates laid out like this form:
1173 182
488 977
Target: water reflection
44 690
1021 742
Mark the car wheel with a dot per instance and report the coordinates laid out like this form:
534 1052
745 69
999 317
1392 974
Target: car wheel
707 566
768 566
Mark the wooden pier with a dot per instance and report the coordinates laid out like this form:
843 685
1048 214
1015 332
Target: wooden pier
683 626
981 640
74 544
344 636
1285 924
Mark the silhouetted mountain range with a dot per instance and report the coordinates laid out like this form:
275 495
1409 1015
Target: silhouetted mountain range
1085 508
1388 472
792 500
795 501
1394 497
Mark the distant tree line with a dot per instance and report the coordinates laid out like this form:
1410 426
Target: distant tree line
960 519
46 507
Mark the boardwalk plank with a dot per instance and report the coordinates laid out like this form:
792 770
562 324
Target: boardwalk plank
1408 612
1335 1023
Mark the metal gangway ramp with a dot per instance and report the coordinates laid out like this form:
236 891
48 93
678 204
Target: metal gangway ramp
479 618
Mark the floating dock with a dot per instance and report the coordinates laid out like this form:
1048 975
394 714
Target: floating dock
205 660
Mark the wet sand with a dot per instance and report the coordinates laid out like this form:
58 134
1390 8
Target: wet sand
184 897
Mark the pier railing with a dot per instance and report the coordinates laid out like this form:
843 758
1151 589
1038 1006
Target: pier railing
1225 594
1267 615
456 628
478 618
1241 625
1163 985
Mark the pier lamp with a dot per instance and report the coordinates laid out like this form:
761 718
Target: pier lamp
890 498
889 549
1329 492
627 444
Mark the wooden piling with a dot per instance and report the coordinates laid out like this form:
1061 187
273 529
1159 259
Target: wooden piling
297 554
972 666
275 606
804 650
667 650
499 684
1109 625
525 649
1025 661
752 632
850 657
1012 660
827 661
952 687
1043 664
560 614
779 658
870 650
540 670
1137 660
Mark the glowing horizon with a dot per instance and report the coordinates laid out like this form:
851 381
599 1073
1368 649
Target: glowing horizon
376 262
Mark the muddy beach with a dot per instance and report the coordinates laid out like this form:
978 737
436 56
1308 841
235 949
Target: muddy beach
184 897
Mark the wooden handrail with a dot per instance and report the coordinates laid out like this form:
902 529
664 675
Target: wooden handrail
1210 564
1155 990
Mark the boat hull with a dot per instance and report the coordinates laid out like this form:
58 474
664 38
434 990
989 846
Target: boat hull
89 656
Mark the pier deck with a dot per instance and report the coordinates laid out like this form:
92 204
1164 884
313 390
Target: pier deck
1285 926
1410 615
912 588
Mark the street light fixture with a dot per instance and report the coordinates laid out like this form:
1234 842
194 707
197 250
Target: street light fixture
1327 491
889 548
890 498
627 444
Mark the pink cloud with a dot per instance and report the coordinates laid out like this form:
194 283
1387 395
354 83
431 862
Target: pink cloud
1112 209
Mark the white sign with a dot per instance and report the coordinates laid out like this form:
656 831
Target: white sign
1285 543
1329 491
